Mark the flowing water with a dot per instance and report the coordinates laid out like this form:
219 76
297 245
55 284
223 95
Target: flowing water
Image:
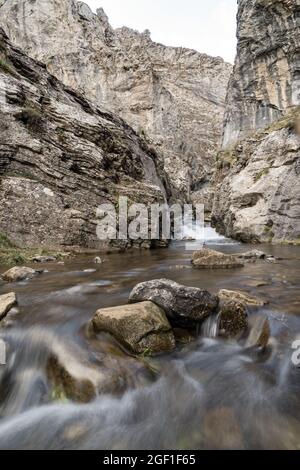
208 394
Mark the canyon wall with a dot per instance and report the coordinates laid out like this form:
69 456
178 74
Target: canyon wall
61 157
173 97
265 82
258 170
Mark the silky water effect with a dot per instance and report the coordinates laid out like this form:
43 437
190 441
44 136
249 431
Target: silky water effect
208 394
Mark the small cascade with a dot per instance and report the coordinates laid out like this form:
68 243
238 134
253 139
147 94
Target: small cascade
199 236
212 237
210 327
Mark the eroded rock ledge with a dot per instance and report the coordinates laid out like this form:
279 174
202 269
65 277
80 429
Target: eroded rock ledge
60 157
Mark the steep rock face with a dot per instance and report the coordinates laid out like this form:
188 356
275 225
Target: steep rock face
266 79
173 97
258 185
61 157
258 191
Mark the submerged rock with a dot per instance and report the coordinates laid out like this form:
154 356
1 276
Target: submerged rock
252 255
184 306
68 384
240 297
7 302
18 274
260 332
141 327
211 259
73 377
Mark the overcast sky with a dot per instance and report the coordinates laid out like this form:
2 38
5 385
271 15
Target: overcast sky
205 25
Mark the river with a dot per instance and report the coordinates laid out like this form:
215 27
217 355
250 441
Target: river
208 394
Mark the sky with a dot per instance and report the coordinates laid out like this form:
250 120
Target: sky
209 26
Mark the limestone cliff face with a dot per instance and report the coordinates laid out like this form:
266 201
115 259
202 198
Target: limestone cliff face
258 177
61 157
173 97
266 79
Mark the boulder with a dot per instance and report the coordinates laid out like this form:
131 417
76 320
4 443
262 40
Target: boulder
260 332
18 274
240 297
232 319
43 259
140 328
184 306
211 259
7 301
252 255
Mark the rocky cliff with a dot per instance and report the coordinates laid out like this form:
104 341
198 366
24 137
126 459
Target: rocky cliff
265 82
258 193
61 156
173 97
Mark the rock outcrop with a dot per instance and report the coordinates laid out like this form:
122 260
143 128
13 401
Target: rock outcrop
265 82
173 97
258 192
61 157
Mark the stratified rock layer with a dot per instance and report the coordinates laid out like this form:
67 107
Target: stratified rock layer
173 97
257 198
61 157
266 79
258 191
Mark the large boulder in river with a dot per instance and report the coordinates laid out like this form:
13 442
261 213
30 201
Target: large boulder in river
233 319
184 306
211 259
140 328
240 297
18 274
233 316
7 302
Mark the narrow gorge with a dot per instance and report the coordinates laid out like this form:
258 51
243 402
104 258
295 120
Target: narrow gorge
163 330
173 97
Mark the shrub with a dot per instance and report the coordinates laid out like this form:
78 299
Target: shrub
32 118
4 65
5 242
